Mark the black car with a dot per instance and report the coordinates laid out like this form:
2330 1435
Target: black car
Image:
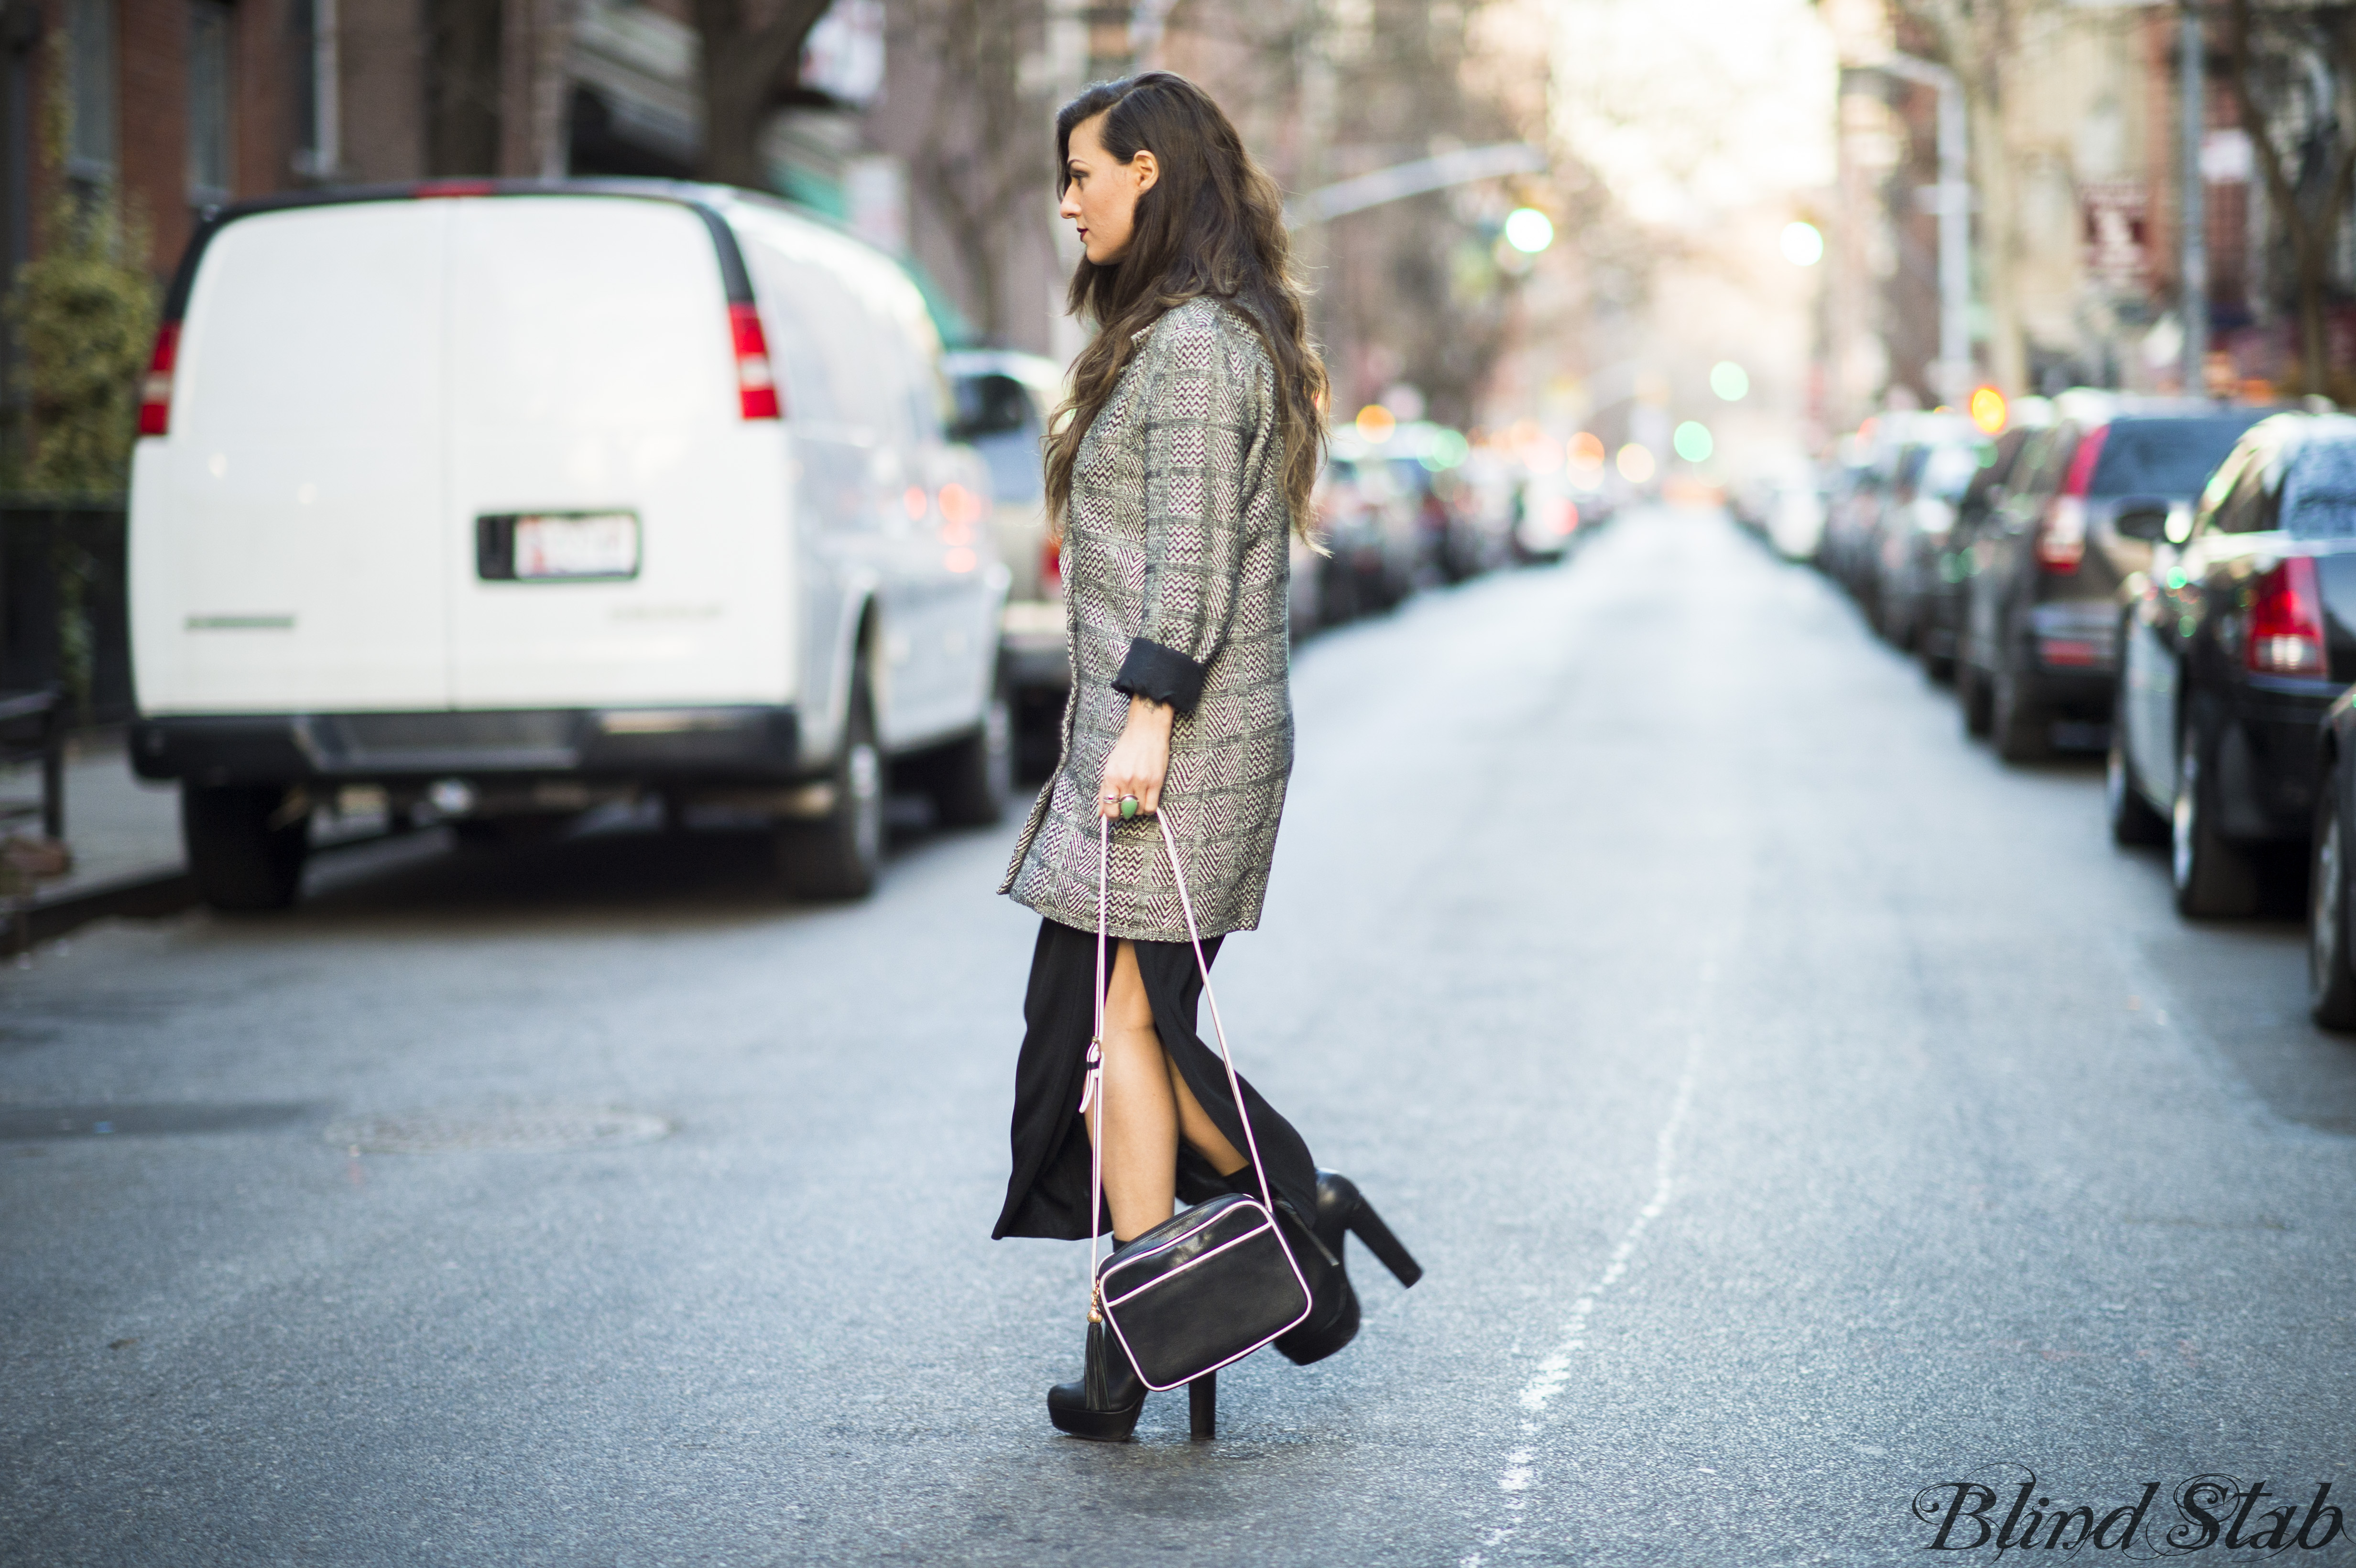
2042 610
1948 575
1932 478
2235 641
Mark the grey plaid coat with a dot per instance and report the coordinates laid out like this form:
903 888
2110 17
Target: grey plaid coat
1177 557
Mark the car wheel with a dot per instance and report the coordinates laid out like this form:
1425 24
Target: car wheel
2133 820
2022 729
2211 876
839 855
246 844
1972 697
2331 983
971 781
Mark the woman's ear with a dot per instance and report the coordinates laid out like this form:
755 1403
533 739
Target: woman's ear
1146 169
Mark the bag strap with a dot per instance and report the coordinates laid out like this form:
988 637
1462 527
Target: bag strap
1092 1094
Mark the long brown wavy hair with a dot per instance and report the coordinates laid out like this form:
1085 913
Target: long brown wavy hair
1213 223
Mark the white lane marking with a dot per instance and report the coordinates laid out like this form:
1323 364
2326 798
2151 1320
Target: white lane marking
1520 1477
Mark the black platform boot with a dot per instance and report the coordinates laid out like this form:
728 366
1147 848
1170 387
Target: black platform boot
1341 1207
1103 1405
1333 1320
1333 1301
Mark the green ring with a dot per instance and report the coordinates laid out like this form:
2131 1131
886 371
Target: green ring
1128 807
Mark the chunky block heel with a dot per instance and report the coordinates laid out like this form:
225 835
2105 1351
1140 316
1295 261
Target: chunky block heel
1368 1227
1340 1208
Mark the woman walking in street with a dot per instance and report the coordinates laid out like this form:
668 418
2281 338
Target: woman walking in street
1176 474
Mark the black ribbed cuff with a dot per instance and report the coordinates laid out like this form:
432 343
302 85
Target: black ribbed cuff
1160 675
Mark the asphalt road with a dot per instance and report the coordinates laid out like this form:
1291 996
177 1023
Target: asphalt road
1795 1109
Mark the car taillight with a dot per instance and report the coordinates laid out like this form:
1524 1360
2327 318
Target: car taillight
2287 622
1050 565
155 391
2062 541
757 388
2061 537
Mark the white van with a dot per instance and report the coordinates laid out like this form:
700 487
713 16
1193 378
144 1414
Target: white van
497 502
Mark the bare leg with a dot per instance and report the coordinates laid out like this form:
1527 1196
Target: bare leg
1147 1105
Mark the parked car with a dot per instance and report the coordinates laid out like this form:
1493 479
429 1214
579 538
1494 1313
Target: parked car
500 501
2040 620
1938 464
1948 582
1003 400
2236 641
1864 494
1368 522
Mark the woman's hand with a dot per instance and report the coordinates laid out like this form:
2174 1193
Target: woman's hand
1140 760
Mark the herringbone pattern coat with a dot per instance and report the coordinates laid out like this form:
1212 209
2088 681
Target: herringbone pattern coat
1178 543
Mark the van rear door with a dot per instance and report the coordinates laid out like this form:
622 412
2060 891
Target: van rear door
593 400
287 556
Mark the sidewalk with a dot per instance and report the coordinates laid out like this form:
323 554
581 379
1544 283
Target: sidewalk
125 837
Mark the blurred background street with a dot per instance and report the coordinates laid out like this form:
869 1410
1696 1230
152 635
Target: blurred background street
1982 1157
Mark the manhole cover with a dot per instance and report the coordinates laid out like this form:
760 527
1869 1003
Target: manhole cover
539 1131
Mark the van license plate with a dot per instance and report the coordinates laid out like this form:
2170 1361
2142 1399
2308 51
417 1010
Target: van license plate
580 544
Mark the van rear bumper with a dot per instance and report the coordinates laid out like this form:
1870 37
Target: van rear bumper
733 743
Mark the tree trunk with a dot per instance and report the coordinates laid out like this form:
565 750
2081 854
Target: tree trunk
746 70
2007 360
2309 235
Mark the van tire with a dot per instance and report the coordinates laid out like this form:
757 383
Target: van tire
971 781
246 843
838 855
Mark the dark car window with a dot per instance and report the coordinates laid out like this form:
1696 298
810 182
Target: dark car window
1995 464
2248 507
2041 466
2319 493
1909 467
2165 456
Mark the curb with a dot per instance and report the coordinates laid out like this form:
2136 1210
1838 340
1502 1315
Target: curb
149 894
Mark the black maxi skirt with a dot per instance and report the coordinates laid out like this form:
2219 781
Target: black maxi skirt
1048 1192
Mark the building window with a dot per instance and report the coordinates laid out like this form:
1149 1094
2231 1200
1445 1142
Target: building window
89 153
317 149
211 25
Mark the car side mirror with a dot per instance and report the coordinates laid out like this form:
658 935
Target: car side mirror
2142 518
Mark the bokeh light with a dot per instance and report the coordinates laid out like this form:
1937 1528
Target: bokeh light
1729 380
1988 410
1635 464
1803 246
1375 423
1587 452
1692 442
1528 230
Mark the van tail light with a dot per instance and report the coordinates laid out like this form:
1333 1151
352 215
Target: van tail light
2061 536
1050 565
757 388
155 391
2287 622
